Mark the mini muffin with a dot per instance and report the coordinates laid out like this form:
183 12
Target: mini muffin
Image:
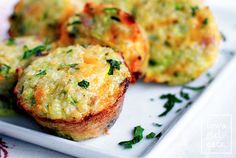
75 91
40 17
183 35
108 26
184 39
15 54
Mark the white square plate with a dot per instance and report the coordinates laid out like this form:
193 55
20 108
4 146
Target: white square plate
139 109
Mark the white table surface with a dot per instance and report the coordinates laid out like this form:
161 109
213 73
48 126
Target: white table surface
185 145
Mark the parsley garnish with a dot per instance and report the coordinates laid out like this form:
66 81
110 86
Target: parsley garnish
184 95
73 65
178 7
138 136
157 124
41 73
114 64
35 51
205 21
73 101
194 10
151 135
110 10
4 69
11 41
152 62
171 101
200 88
84 84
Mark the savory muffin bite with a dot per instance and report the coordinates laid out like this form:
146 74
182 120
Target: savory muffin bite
40 17
15 54
183 35
105 25
184 39
75 91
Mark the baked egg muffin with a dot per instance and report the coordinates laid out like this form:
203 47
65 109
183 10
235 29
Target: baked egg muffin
75 91
183 35
16 54
184 39
108 26
40 17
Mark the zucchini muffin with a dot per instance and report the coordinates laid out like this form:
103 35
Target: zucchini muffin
77 92
40 17
184 39
108 26
183 35
15 54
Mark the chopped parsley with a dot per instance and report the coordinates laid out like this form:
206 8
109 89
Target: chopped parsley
194 10
41 73
152 62
110 10
11 41
184 95
157 124
35 51
4 69
171 101
74 66
69 51
73 101
84 84
151 135
178 7
205 21
200 88
137 137
114 64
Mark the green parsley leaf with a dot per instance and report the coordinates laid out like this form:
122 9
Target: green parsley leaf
178 7
200 88
157 124
11 41
205 21
151 135
73 101
114 64
171 101
73 65
184 95
4 69
194 10
41 73
35 51
112 11
137 137
84 84
152 62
